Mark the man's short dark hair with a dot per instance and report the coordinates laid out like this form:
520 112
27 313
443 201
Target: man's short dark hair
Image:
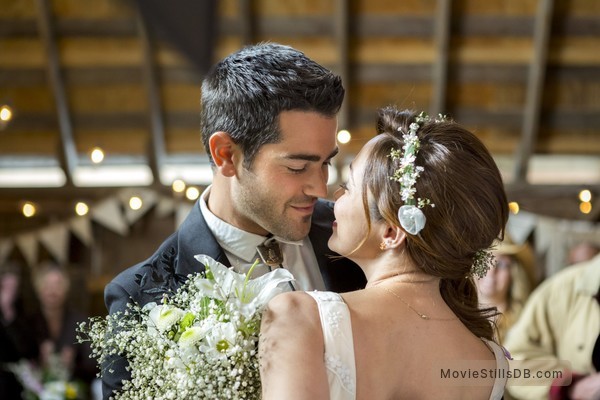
245 92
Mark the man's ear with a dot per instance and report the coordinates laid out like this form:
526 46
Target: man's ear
223 151
393 237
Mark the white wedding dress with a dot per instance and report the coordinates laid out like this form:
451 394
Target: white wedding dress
339 348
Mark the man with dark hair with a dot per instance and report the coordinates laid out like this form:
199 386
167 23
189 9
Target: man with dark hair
269 125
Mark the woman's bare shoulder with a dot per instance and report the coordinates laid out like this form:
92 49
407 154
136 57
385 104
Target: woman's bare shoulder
292 311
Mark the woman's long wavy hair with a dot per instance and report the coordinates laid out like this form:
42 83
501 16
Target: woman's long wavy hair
471 208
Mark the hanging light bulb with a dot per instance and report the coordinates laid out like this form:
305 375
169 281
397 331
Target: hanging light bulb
192 193
585 207
585 195
135 203
6 113
344 136
97 155
178 185
81 208
29 209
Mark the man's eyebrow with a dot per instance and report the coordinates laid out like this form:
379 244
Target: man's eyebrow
312 157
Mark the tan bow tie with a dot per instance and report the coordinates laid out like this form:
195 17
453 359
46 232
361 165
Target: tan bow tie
270 253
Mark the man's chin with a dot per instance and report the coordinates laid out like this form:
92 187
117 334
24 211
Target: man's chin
300 233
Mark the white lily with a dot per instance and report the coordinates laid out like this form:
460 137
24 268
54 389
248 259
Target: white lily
252 294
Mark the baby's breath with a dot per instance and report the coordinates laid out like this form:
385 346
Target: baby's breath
199 343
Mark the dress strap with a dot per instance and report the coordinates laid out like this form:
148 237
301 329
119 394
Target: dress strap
501 368
339 344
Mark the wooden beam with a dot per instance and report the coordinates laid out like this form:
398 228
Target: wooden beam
297 25
342 33
535 89
156 147
440 66
46 28
246 22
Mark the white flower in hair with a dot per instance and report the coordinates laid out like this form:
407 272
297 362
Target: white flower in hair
411 218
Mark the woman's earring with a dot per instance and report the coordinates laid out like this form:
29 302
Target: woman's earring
382 246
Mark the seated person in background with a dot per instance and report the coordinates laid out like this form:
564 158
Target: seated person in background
561 321
56 329
505 286
16 339
423 204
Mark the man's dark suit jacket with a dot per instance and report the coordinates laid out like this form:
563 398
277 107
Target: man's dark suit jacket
169 266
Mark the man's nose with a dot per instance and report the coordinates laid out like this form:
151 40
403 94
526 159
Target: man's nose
317 185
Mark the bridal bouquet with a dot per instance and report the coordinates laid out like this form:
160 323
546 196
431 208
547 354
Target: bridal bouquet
201 343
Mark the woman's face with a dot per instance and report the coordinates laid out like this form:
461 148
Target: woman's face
9 288
350 227
496 283
53 289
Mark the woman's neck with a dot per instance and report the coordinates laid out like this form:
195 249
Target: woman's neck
400 275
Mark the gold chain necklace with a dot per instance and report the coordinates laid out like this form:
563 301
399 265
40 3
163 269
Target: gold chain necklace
421 315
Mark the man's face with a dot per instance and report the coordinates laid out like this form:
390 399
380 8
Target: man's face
279 192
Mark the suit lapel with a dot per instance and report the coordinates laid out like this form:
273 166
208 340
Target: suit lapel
194 237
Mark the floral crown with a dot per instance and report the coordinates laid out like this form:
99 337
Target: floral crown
410 215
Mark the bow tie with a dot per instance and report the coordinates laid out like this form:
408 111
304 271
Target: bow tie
270 253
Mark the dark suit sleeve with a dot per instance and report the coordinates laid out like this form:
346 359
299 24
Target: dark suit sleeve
114 369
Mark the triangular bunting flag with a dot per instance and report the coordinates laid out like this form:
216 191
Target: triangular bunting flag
28 245
108 214
164 207
149 199
520 226
82 228
6 245
181 213
55 239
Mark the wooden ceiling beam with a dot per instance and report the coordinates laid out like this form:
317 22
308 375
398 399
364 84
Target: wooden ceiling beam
364 25
246 22
156 146
68 158
535 89
342 40
440 66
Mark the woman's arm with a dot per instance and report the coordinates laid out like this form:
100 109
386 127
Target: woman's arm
291 350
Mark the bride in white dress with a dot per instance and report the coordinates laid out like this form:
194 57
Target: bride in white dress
423 203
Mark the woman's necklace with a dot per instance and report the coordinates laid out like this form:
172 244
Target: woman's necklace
421 315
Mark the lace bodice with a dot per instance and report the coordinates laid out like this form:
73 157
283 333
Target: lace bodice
339 348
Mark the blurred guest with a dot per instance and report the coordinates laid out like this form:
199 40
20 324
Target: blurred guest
561 321
16 339
56 330
581 252
506 286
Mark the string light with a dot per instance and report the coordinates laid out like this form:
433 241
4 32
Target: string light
29 209
97 155
192 193
81 208
585 207
6 113
344 136
135 203
585 196
178 186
